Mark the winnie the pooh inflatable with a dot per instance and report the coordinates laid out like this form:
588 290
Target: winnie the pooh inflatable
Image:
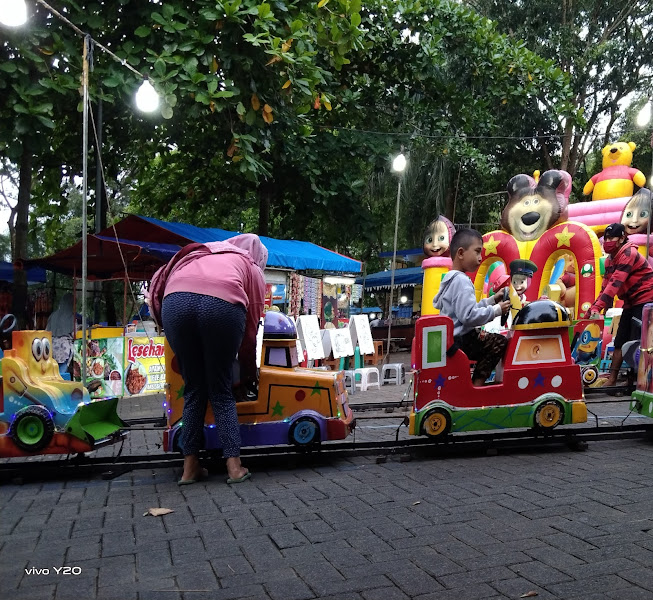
617 177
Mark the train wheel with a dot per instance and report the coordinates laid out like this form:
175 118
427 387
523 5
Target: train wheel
589 375
32 429
304 432
436 423
548 415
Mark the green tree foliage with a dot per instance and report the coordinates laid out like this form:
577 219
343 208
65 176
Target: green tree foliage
606 48
286 112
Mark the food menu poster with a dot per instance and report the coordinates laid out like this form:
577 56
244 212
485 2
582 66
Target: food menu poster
145 367
104 366
117 367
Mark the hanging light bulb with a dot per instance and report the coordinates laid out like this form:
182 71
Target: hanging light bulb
644 115
147 99
399 163
13 13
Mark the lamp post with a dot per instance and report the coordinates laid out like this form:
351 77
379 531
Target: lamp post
398 166
643 118
14 14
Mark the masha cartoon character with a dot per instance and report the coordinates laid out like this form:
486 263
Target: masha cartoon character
521 271
636 213
437 237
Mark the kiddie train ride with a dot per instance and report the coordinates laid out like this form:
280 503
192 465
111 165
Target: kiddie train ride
40 412
294 405
537 385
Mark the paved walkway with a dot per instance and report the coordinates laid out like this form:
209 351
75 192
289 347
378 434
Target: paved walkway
560 524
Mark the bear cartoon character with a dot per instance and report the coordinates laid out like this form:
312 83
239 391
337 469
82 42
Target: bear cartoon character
437 237
636 213
617 177
533 207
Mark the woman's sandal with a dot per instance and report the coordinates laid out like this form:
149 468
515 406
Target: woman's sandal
245 477
203 476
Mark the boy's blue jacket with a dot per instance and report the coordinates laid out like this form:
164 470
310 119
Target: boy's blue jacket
457 300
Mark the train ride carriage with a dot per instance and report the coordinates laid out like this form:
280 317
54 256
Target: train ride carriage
294 405
40 412
537 385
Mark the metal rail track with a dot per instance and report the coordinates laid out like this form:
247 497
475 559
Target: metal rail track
262 457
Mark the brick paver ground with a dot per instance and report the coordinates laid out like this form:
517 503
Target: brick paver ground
552 522
559 523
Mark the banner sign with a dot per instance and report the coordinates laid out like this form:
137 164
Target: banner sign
121 366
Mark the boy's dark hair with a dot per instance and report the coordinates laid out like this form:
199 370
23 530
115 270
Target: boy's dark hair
463 238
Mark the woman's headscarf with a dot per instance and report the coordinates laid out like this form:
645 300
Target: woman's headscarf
62 320
251 243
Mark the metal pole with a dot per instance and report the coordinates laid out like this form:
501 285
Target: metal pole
392 274
99 209
87 43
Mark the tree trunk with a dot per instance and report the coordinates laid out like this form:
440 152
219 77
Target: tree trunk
266 195
107 288
19 302
450 204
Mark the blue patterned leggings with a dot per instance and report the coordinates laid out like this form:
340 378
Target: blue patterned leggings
205 334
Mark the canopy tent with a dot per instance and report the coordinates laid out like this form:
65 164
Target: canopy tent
34 274
146 243
366 310
403 277
105 260
289 254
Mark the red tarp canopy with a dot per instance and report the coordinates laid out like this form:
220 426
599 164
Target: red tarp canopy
105 260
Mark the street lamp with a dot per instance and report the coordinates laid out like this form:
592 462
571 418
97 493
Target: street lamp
644 115
147 100
14 13
398 166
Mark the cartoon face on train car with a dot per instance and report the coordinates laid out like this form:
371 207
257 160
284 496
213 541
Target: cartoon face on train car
35 349
588 342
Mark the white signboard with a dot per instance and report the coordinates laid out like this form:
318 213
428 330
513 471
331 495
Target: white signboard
308 333
361 335
341 345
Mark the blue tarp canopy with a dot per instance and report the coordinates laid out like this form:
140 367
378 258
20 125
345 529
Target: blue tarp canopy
34 274
290 254
403 277
366 310
144 244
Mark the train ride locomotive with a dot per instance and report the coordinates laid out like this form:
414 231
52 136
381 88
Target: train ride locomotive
294 405
537 385
40 412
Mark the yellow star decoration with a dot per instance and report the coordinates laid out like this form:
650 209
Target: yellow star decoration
491 245
564 238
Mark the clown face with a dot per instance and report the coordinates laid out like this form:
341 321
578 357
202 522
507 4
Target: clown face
636 214
436 239
530 217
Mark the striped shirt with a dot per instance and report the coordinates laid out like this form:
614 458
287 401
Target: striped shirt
627 275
